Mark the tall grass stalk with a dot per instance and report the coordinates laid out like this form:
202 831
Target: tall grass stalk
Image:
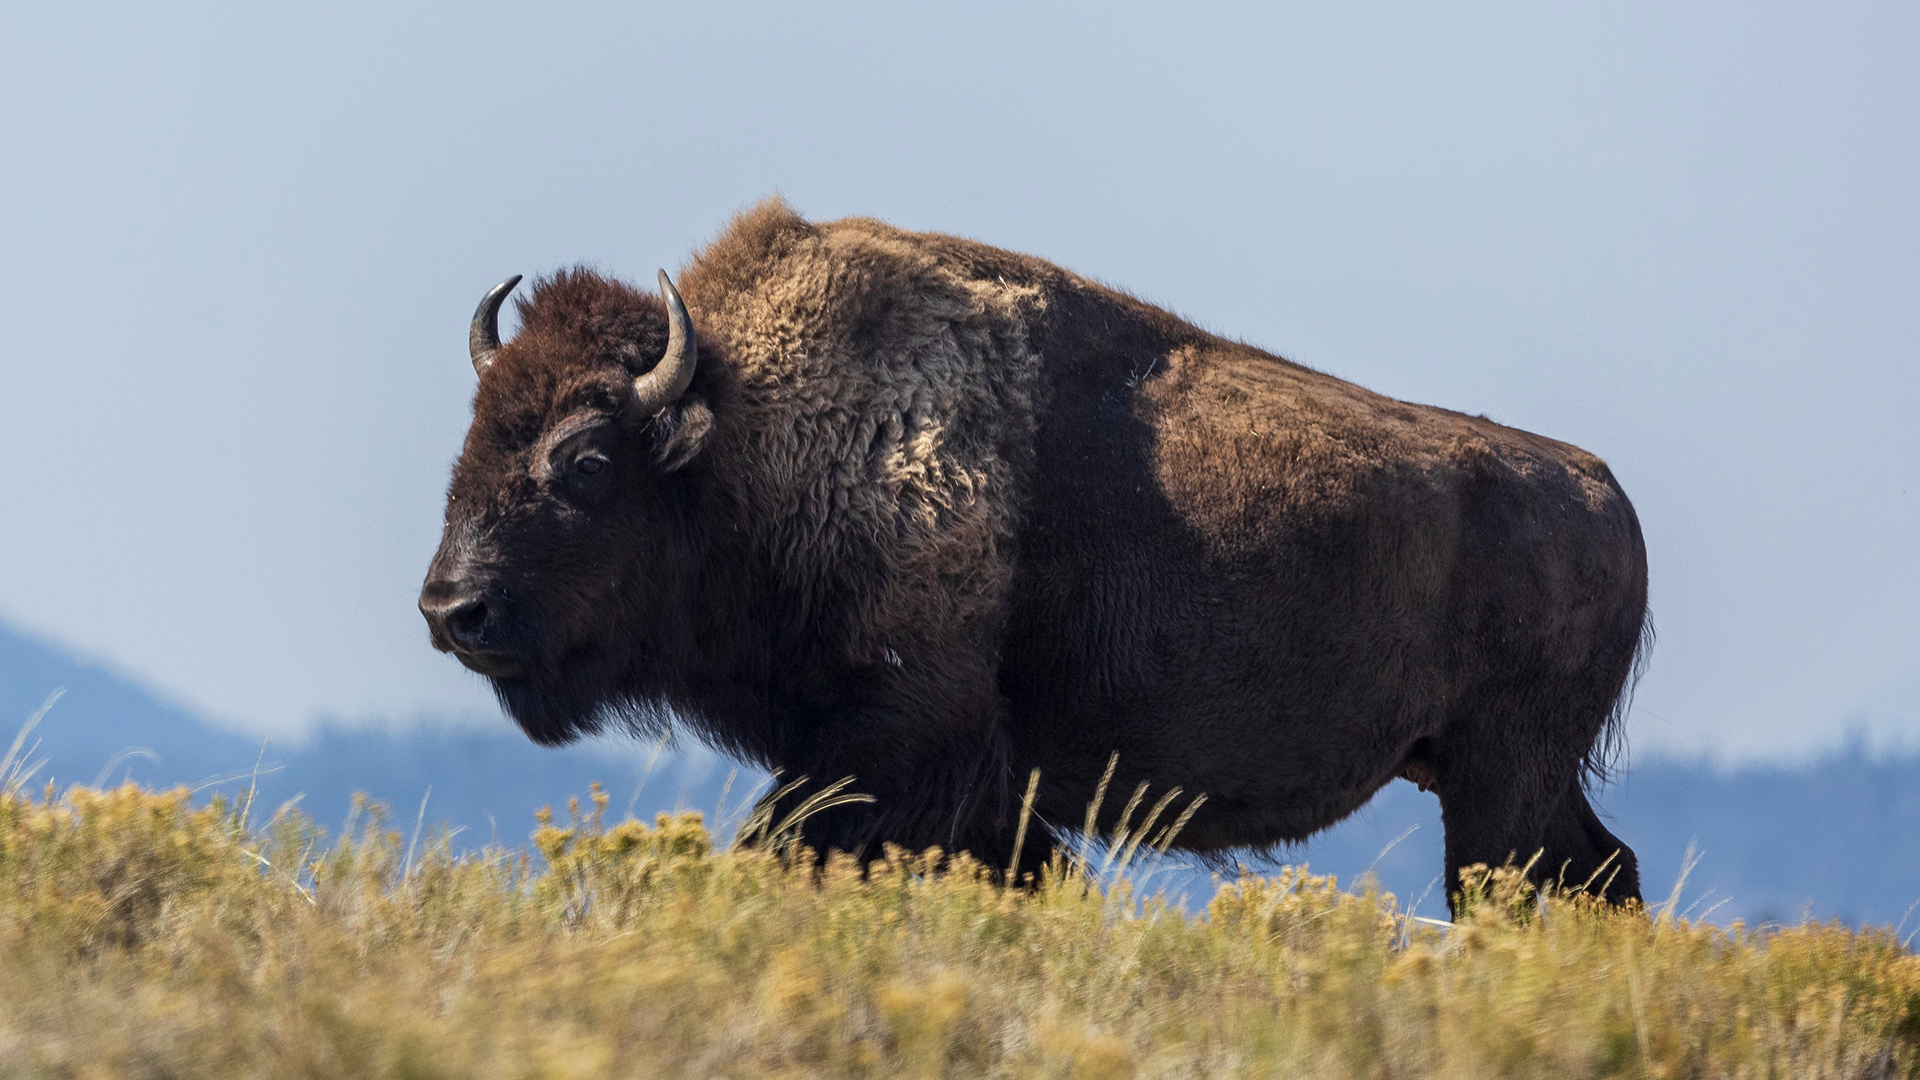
16 766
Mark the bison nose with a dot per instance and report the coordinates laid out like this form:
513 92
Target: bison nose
458 619
467 623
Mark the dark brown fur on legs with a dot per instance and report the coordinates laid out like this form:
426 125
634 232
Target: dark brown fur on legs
1510 768
960 810
932 514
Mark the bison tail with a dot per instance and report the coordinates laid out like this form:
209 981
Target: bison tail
1606 757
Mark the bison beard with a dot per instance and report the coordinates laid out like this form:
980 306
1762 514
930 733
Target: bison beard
907 508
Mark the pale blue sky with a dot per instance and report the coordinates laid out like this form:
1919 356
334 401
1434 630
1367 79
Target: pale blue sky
241 244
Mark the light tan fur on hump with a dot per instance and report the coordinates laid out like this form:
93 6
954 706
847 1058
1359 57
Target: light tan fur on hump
884 407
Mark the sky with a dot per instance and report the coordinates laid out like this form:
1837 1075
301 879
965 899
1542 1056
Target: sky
242 243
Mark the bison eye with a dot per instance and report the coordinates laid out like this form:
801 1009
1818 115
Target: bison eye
589 465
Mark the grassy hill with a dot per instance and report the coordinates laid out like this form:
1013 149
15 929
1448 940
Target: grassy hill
161 939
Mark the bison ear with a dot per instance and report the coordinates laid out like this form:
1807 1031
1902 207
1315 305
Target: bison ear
680 432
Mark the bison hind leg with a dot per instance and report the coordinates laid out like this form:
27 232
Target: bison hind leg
1562 841
1579 852
1511 775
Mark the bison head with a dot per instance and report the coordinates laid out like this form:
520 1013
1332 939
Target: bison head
568 546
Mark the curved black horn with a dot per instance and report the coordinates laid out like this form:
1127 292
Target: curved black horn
483 337
669 378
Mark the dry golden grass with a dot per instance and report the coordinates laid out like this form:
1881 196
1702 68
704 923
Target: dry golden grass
141 936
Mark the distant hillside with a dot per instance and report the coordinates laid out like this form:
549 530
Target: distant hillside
1838 836
480 778
103 713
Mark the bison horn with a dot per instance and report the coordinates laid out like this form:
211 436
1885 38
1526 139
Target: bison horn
483 337
663 385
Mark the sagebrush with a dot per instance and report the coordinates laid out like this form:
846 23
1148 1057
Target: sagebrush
141 935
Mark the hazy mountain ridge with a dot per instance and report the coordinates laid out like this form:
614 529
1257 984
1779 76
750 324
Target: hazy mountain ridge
1838 836
480 779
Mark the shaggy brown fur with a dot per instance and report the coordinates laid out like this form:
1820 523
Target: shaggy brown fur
932 514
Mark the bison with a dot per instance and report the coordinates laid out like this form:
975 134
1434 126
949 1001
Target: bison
909 508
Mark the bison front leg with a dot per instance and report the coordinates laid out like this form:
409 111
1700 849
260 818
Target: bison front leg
929 766
956 800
